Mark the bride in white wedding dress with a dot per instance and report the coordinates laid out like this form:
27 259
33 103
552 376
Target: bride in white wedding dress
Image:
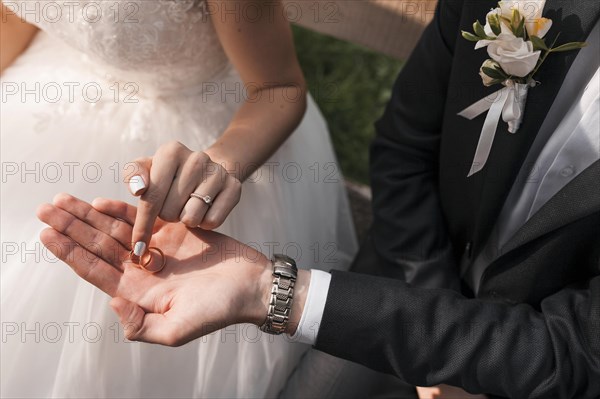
106 82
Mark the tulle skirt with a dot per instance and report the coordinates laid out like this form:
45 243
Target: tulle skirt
67 127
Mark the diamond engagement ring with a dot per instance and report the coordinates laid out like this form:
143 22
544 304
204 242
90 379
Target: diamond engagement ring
206 198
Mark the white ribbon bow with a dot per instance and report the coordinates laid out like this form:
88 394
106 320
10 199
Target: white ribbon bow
508 102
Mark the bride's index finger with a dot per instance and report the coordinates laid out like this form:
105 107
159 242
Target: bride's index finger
137 175
165 164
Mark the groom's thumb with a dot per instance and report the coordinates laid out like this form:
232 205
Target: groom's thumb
146 327
131 317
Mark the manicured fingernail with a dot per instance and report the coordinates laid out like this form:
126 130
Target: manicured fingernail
136 184
139 248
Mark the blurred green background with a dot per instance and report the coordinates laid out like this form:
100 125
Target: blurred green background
351 84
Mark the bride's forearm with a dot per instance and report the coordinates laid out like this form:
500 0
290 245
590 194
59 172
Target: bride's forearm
262 51
261 125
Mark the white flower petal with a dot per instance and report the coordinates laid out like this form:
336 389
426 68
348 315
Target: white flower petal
530 9
539 27
482 44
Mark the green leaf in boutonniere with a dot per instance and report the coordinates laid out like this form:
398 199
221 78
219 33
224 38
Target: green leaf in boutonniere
515 21
538 43
552 49
569 47
494 21
494 73
469 36
520 30
517 25
479 31
491 73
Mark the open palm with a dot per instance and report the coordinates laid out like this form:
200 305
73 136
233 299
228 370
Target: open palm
199 290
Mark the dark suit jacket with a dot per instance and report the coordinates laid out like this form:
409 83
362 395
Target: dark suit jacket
533 331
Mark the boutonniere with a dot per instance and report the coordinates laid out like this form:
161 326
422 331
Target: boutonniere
514 36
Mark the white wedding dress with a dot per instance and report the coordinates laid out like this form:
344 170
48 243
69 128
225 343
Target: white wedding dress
102 84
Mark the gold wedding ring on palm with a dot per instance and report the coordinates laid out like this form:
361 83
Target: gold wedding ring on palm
147 258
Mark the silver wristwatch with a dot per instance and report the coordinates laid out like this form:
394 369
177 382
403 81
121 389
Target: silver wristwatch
285 273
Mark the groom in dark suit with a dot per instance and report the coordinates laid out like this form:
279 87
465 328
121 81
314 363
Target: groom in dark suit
516 316
495 277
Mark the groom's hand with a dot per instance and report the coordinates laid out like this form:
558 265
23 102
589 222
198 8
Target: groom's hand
210 280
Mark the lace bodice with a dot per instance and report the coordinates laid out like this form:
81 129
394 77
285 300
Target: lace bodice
161 45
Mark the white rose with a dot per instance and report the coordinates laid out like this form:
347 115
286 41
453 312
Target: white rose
531 10
488 81
515 55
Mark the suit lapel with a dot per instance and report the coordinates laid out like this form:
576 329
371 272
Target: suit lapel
578 199
574 19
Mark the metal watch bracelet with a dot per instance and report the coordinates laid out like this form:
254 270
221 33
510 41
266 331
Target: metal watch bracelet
285 273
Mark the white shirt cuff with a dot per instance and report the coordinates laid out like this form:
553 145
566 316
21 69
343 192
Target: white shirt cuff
310 321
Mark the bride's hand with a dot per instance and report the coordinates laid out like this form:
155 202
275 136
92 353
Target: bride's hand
205 285
178 184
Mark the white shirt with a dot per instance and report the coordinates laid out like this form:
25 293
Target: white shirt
572 147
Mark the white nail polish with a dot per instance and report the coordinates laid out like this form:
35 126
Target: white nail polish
136 184
139 248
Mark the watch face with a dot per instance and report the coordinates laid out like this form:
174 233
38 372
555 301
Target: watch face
290 262
284 266
285 271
